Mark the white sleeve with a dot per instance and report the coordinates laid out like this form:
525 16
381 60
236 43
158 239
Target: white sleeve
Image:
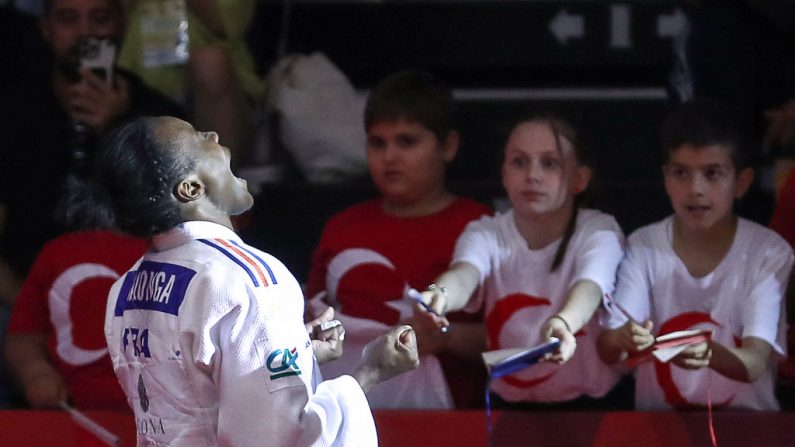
473 246
598 259
341 407
764 310
633 290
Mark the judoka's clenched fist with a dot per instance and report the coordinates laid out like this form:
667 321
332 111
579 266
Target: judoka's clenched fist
387 356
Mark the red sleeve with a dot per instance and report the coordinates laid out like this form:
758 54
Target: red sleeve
31 313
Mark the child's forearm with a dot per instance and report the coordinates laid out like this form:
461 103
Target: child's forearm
460 282
582 302
744 364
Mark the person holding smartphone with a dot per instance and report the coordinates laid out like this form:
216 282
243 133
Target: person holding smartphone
41 106
52 114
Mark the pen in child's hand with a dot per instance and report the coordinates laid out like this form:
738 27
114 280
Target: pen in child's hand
416 296
612 302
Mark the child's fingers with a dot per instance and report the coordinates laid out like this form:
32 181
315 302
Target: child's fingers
699 350
691 363
644 329
695 356
441 322
437 301
642 341
634 338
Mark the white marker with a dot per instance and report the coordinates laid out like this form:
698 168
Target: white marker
327 325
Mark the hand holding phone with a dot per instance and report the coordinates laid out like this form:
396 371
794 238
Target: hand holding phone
99 56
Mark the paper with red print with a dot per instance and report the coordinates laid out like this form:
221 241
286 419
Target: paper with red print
668 346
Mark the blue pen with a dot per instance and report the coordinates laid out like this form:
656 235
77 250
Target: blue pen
416 296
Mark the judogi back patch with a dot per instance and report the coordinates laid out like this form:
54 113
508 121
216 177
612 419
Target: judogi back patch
154 286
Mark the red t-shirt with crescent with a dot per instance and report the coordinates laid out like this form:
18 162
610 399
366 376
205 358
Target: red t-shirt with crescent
64 296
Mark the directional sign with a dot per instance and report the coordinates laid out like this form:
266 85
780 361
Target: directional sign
620 23
565 26
670 25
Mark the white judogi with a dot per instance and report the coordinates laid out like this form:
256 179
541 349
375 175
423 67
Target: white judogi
521 293
741 297
207 338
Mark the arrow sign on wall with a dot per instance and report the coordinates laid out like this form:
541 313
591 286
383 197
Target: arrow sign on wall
669 25
565 26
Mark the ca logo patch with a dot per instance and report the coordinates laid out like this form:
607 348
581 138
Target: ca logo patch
282 363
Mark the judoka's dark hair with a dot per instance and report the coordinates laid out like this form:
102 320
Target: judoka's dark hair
704 122
412 95
131 184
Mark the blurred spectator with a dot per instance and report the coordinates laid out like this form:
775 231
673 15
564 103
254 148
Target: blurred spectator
51 117
371 253
194 51
743 51
55 345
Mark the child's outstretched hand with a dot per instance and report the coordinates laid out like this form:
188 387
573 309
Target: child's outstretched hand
694 356
555 327
433 309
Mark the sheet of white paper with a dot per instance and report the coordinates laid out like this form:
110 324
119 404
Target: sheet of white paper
665 355
681 334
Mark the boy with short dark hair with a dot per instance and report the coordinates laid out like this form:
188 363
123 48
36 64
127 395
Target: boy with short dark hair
703 268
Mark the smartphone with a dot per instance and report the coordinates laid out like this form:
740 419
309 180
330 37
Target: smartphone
98 55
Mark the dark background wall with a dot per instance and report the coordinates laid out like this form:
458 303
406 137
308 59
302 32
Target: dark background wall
603 65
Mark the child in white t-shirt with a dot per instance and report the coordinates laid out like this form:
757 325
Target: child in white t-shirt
540 269
703 268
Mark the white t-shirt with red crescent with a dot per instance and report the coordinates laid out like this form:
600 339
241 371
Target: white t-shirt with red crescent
741 297
520 293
